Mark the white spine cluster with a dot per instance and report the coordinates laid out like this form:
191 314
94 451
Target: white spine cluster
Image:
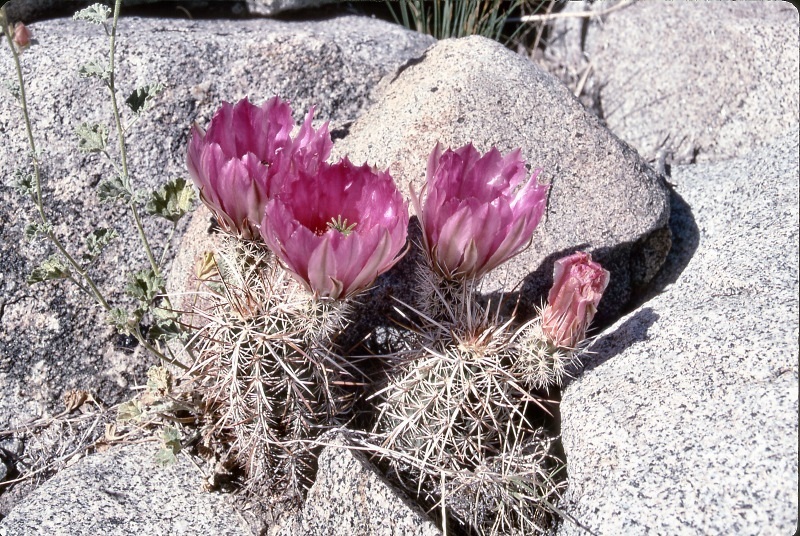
267 369
455 415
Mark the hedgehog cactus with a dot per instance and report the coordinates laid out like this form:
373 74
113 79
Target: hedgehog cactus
266 366
506 493
455 413
454 416
452 396
452 419
447 399
268 361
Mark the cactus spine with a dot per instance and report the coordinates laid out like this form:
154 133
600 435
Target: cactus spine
454 416
267 369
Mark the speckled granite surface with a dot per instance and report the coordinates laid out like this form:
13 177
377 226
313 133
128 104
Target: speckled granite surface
123 492
701 80
685 419
351 498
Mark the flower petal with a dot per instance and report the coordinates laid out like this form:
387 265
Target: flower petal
468 242
245 158
578 285
337 261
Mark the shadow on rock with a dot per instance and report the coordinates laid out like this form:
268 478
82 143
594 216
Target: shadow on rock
685 239
638 273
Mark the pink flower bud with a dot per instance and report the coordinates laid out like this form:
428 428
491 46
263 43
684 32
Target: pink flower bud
22 36
578 285
475 215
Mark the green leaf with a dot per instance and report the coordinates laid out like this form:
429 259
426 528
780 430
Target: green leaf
165 457
166 326
32 230
113 190
96 69
140 99
163 315
130 411
172 201
144 286
123 321
159 380
141 196
167 331
172 447
52 268
165 406
172 439
91 138
96 14
97 240
25 183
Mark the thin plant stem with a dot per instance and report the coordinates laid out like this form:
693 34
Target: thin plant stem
404 11
122 147
166 245
92 287
38 178
126 181
436 23
155 266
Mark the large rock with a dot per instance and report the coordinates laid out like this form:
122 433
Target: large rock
702 81
603 198
53 338
32 10
350 497
123 492
685 419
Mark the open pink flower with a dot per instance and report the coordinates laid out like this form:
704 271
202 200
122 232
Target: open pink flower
242 160
472 218
337 229
578 285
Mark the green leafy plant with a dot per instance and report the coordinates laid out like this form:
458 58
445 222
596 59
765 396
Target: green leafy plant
171 439
170 202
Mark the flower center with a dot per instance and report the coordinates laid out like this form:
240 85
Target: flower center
338 224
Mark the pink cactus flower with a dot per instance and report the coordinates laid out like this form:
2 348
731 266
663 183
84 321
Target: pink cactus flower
337 229
244 157
22 35
474 216
578 285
